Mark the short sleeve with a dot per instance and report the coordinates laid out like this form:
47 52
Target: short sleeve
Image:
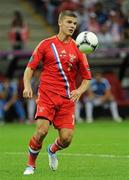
37 56
84 67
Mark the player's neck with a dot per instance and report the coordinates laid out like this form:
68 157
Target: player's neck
63 37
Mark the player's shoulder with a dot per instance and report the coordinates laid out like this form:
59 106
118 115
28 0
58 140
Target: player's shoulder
47 40
73 41
73 44
79 53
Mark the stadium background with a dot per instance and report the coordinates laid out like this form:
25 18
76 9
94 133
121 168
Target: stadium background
99 150
41 18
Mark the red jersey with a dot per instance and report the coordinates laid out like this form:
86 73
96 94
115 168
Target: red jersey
61 63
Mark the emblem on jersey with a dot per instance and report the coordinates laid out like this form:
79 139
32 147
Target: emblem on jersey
72 57
62 53
70 66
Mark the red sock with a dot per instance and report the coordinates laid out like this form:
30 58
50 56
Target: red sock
34 149
56 146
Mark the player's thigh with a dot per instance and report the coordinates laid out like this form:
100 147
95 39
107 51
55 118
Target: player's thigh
42 127
65 117
45 106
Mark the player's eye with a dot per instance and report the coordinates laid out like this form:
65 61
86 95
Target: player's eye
69 22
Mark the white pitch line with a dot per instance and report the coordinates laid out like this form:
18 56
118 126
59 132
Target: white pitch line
114 144
75 155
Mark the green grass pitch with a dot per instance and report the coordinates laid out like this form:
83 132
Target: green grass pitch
99 151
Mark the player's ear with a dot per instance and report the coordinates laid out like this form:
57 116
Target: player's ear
59 22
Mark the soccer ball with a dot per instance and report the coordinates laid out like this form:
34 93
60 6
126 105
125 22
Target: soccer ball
87 42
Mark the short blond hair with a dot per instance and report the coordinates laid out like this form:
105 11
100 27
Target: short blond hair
66 13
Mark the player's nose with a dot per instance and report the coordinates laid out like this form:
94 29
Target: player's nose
73 25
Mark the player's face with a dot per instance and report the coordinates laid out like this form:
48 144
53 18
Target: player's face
68 25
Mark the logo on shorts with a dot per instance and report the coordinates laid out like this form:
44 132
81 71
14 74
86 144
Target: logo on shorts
40 109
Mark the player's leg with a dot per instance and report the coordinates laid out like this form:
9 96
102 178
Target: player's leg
18 106
45 108
64 122
89 111
63 141
35 144
2 113
78 107
31 106
114 111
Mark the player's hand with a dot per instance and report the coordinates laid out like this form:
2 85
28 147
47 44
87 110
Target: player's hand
27 92
75 95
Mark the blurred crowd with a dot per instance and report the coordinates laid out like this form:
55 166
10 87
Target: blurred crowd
18 31
12 105
99 94
104 91
109 20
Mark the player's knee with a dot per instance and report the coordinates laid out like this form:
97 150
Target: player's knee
41 133
66 140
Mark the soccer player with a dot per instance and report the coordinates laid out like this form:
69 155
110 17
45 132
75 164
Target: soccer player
9 98
57 93
99 94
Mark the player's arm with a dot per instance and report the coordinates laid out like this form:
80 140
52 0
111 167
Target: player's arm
107 95
13 97
85 74
90 93
27 92
29 71
76 94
